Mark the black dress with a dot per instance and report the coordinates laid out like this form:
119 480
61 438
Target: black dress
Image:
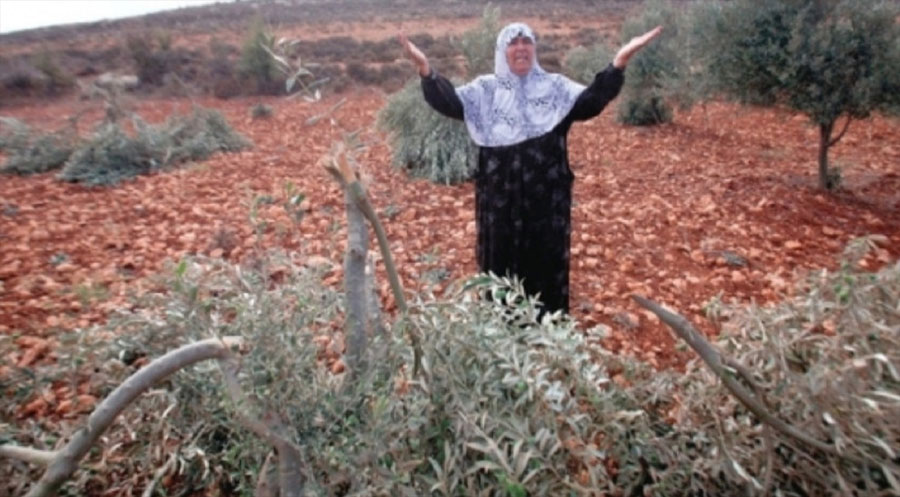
523 194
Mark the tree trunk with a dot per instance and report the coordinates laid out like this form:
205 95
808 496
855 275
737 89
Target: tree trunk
355 284
824 144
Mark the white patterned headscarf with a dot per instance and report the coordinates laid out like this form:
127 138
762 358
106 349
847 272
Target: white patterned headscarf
504 109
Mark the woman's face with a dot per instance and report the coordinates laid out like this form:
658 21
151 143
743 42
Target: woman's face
520 55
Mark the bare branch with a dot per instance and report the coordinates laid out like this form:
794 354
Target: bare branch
66 460
27 454
840 135
683 328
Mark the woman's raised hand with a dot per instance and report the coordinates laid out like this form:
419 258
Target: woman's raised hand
632 47
415 55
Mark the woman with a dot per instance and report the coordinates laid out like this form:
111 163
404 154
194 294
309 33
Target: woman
519 118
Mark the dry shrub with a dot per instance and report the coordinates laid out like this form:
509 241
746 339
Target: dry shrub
363 73
58 80
334 49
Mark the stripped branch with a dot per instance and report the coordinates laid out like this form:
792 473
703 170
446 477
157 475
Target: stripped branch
65 461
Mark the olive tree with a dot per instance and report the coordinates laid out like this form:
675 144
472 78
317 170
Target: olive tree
832 60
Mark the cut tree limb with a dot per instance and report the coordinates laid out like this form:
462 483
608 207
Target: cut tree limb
683 328
339 167
27 454
65 461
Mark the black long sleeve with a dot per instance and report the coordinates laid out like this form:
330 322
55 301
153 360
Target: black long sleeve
441 95
593 99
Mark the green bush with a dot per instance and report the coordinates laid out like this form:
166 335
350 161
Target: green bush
652 70
583 63
256 65
44 153
424 143
823 361
504 405
112 155
646 111
33 153
477 45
